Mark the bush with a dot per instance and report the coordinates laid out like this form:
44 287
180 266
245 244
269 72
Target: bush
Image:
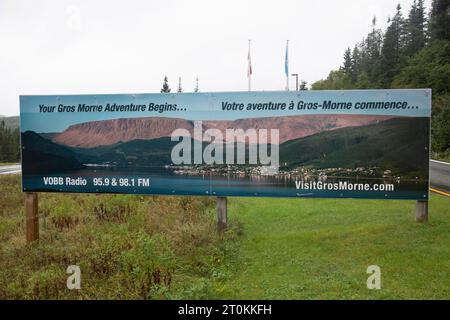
116 208
105 251
47 283
149 265
62 214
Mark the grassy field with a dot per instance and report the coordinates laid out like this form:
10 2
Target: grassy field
320 249
136 247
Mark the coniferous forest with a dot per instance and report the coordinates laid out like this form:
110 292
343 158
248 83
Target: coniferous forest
9 143
413 52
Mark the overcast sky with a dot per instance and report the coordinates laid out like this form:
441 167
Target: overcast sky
70 47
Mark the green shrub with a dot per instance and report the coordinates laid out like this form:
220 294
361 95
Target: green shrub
105 251
116 208
47 283
149 265
64 213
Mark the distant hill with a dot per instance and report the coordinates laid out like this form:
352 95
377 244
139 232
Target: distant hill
146 153
48 135
11 122
109 132
42 155
400 144
155 152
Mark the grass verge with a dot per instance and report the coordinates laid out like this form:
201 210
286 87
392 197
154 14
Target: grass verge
127 247
321 248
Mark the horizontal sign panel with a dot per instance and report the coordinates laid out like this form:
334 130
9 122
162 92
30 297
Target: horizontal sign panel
344 144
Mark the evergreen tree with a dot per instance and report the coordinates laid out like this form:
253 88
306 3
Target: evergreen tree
9 144
430 68
363 81
336 80
439 25
196 85
165 87
374 41
371 50
347 66
392 53
415 38
356 64
303 85
413 54
179 89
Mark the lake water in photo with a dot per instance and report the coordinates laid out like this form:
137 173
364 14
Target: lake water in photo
165 181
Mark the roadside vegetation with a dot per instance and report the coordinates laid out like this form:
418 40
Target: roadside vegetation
146 247
127 247
413 52
9 142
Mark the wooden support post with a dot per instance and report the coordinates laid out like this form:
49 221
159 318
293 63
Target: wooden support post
422 211
32 217
221 213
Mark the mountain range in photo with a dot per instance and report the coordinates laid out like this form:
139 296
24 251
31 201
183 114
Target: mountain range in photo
399 144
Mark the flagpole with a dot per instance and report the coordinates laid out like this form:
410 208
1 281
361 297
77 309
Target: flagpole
249 68
286 65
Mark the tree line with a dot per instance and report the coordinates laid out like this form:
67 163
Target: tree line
413 52
166 89
9 143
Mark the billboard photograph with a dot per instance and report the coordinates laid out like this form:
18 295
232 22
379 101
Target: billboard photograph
351 144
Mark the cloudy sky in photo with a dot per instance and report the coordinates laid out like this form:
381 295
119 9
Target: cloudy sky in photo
76 47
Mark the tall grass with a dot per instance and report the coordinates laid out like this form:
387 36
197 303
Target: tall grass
127 246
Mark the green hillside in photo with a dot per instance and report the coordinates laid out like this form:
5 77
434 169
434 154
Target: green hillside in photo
399 144
42 155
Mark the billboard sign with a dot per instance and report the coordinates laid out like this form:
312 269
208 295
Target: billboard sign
342 144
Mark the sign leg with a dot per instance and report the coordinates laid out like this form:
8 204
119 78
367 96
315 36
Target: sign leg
222 213
32 217
422 210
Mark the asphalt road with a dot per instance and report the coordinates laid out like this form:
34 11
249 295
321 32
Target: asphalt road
10 169
439 173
